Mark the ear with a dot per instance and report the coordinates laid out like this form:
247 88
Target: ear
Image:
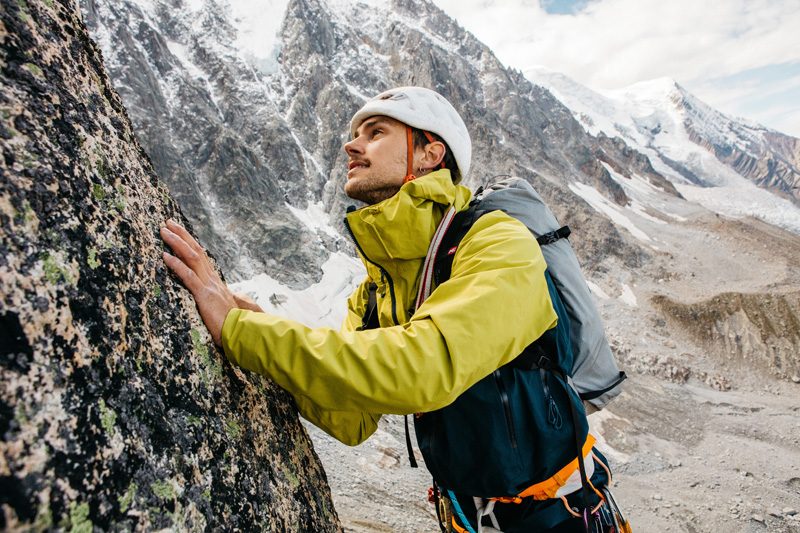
431 157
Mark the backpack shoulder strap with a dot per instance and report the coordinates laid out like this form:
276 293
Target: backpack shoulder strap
462 222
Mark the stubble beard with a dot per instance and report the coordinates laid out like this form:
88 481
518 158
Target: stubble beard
374 188
370 190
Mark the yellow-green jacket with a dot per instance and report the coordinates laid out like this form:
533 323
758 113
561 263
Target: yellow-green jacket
494 304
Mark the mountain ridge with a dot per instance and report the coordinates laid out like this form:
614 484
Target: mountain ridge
765 157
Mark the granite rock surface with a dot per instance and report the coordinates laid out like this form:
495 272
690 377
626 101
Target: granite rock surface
117 412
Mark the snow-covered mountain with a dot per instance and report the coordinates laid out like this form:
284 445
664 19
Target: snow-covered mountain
248 132
711 158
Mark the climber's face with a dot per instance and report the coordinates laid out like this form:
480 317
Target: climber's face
378 160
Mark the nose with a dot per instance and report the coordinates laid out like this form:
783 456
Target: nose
353 147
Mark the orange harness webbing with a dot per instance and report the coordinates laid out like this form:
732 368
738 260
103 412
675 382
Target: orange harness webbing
549 487
410 172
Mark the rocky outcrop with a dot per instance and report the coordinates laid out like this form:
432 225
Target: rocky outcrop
117 413
215 137
763 165
616 153
746 331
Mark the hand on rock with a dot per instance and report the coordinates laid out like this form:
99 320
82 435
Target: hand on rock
190 263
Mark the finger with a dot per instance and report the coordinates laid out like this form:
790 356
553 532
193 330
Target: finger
179 230
186 274
196 261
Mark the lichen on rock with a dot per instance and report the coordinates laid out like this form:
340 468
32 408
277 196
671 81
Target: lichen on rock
117 412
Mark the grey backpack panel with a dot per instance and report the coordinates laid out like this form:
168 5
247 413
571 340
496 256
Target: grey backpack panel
594 367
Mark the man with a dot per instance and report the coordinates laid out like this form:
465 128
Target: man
409 150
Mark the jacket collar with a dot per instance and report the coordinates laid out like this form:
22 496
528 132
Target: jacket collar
400 228
393 236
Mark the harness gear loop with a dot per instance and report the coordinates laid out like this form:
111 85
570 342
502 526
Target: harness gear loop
485 510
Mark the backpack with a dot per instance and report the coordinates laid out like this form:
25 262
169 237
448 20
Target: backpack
516 434
593 371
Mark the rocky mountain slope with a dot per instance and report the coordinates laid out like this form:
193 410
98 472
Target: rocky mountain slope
700 301
240 147
117 413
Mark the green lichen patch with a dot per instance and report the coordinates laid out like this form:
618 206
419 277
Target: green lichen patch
199 347
163 193
23 10
107 418
26 215
33 69
79 518
292 478
44 518
118 202
233 428
54 270
211 367
126 499
113 201
164 490
91 260
28 159
157 291
98 192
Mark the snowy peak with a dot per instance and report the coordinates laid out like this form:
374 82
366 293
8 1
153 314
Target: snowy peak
692 144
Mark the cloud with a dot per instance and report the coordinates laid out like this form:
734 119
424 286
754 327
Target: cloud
609 44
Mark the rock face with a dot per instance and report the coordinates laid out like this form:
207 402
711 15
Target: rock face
748 331
116 410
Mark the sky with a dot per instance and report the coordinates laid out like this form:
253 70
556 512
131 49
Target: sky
742 57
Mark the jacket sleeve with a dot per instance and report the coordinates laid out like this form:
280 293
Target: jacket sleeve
495 304
350 428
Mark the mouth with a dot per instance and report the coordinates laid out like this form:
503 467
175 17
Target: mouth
355 165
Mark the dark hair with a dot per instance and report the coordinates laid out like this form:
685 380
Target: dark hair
421 141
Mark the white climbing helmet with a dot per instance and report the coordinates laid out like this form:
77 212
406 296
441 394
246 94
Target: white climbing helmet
426 110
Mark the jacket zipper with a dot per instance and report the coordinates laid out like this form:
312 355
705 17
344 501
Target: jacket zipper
506 407
384 273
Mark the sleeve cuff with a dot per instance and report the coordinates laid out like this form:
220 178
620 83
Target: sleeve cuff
229 332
